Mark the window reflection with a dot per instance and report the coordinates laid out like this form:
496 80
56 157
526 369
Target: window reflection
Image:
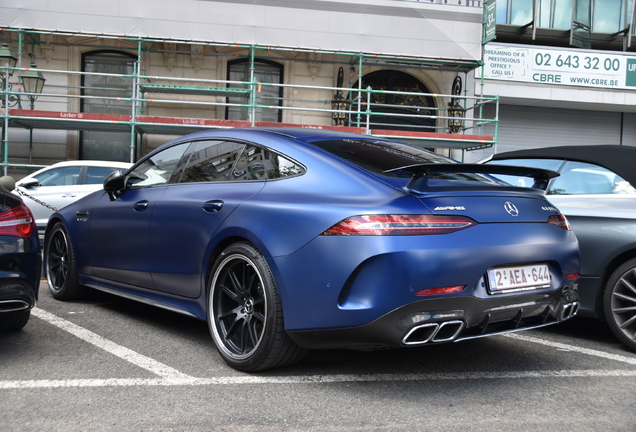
66 176
157 169
579 178
520 12
608 16
211 161
260 164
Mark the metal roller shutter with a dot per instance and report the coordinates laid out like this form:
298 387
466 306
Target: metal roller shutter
522 127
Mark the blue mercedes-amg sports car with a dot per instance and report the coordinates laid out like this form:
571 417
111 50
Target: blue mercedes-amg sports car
289 239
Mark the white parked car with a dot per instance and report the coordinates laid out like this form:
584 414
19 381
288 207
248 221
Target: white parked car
62 183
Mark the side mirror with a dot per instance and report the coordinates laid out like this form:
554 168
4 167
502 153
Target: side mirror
7 182
28 184
115 182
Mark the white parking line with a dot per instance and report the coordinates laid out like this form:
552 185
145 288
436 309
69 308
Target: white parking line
312 379
596 353
111 347
172 377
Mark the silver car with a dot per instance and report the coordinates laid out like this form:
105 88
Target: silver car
596 192
58 185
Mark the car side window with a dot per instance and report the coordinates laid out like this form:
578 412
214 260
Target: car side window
65 176
250 165
578 178
278 166
97 175
157 169
211 161
257 163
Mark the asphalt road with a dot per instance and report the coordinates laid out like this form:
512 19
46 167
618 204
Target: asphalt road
109 364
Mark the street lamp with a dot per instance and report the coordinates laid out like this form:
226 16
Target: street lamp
455 110
456 113
339 104
8 60
33 83
339 107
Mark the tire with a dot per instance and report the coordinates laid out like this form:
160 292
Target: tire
60 265
13 321
245 314
620 303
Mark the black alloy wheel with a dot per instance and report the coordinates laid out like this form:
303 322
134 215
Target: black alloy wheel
60 266
620 303
245 313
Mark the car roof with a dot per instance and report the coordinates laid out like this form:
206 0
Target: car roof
617 158
297 133
92 163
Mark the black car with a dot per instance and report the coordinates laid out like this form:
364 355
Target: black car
596 191
20 260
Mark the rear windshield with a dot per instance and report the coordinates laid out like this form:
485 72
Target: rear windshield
379 156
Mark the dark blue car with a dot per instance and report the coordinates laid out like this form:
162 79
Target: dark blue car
291 239
20 260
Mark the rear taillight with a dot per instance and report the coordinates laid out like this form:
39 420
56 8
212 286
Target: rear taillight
399 225
17 222
560 221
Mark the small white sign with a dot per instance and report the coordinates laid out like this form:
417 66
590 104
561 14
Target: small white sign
558 67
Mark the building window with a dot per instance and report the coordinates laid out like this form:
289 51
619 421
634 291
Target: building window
413 106
105 145
264 72
608 16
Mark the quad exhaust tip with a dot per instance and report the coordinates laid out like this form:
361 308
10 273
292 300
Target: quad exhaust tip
569 310
433 332
13 305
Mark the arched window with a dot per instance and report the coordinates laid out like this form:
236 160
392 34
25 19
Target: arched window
396 81
106 145
265 72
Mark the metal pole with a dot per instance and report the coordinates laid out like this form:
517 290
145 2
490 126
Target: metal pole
496 136
30 145
368 128
5 121
359 89
19 48
252 110
134 111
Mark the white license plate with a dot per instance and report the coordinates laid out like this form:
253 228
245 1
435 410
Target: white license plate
519 278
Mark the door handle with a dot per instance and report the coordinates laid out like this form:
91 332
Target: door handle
140 205
213 206
69 196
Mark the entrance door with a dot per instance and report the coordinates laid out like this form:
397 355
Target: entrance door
414 106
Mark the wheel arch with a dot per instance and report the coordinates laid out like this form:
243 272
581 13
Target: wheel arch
607 272
51 223
217 249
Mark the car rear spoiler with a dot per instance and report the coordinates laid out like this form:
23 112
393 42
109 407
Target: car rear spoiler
420 173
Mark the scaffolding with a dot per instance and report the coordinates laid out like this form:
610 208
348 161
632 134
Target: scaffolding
213 96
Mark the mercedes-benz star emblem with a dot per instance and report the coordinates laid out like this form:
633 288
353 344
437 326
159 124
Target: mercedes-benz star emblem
511 209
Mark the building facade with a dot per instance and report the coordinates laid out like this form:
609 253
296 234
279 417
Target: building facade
124 77
565 73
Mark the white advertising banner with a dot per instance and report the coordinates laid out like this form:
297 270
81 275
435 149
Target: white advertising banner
558 67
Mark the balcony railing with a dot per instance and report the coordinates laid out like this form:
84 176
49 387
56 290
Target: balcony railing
176 106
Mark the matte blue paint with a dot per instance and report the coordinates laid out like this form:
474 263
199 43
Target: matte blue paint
163 249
